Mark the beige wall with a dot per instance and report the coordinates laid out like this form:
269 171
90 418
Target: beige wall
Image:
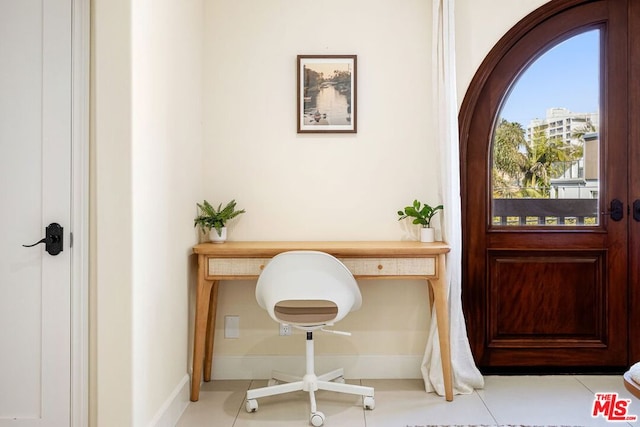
111 383
330 187
195 99
479 26
320 187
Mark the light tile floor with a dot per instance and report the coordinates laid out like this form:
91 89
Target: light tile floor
559 400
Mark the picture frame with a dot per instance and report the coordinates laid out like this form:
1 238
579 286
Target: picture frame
327 94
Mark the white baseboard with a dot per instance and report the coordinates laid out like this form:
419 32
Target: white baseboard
358 367
174 406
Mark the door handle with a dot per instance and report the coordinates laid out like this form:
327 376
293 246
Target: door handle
636 210
52 240
616 210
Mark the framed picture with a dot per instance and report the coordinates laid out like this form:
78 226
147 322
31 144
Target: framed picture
327 94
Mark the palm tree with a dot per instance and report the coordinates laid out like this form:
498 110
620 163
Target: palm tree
508 158
582 130
522 169
542 154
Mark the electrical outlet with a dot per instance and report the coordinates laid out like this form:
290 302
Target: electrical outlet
285 330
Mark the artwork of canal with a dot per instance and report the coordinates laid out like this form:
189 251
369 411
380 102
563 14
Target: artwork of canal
327 94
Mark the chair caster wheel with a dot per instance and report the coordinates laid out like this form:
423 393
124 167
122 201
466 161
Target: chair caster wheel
316 419
369 402
272 382
251 405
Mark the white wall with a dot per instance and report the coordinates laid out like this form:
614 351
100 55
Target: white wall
147 138
195 99
167 41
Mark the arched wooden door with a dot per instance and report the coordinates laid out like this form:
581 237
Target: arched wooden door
546 288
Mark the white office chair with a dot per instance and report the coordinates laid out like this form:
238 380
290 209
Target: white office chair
308 290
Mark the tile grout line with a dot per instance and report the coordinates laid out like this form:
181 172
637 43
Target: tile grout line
486 406
242 403
583 384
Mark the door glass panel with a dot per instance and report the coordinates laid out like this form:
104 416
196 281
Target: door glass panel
546 147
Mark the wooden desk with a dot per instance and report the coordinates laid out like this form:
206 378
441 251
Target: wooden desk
366 260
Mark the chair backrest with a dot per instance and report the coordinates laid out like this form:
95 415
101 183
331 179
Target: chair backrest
307 288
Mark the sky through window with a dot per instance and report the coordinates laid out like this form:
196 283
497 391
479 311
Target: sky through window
567 75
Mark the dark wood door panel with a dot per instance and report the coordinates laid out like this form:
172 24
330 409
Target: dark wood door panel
549 360
550 239
546 299
550 296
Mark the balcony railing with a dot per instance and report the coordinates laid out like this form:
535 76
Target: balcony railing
536 212
569 170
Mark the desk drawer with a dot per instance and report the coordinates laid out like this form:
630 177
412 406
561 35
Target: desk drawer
391 266
250 267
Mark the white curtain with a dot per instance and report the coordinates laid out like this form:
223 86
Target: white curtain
466 376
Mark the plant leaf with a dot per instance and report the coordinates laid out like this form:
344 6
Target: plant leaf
412 212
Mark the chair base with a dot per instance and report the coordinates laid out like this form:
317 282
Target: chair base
331 381
291 383
310 383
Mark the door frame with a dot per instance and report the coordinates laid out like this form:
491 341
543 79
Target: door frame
634 190
80 128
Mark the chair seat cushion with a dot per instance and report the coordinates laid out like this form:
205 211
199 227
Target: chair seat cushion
306 312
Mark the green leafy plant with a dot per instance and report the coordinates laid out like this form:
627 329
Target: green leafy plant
210 217
421 213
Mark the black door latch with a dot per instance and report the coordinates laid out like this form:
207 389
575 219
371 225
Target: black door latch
636 210
616 210
53 239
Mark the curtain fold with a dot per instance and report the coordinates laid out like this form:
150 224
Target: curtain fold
466 376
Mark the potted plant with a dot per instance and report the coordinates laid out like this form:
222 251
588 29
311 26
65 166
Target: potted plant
213 221
421 214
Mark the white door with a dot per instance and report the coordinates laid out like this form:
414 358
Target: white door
35 190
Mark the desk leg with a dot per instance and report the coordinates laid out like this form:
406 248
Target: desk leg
203 295
211 330
440 291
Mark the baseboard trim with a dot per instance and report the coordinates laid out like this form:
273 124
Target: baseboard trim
173 408
360 367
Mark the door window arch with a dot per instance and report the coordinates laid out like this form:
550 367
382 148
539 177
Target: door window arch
545 144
